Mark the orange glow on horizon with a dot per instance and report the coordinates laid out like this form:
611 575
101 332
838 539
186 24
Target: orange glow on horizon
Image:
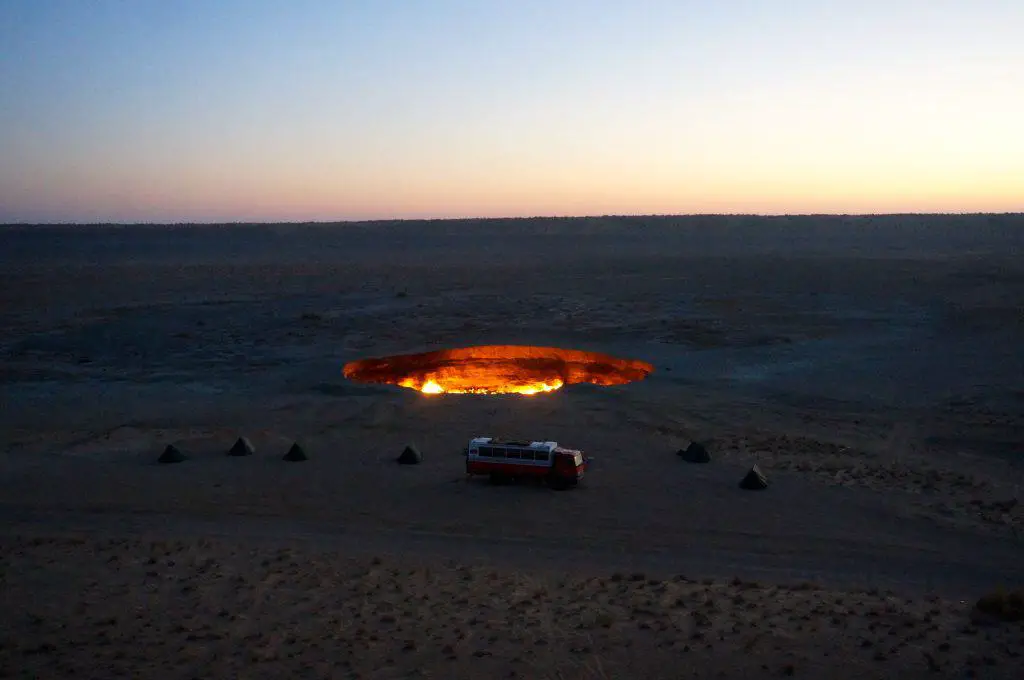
362 111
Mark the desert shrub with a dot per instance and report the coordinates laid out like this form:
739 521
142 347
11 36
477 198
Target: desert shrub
1003 605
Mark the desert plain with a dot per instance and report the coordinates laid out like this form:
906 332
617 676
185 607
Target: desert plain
872 367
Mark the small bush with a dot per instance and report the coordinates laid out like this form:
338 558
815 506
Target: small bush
1003 605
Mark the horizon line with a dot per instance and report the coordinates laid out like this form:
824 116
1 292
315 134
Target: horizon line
197 223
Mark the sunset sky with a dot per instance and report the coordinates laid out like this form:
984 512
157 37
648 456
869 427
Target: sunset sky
260 110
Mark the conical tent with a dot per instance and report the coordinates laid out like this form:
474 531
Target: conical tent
242 447
171 454
695 453
754 480
296 454
410 456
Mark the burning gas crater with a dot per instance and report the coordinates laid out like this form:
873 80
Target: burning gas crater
497 369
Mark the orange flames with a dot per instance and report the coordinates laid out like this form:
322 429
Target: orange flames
497 369
464 385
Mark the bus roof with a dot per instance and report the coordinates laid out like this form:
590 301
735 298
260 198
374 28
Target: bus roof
498 441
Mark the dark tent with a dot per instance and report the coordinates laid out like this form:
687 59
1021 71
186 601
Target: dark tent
755 480
242 447
295 454
171 455
695 453
410 456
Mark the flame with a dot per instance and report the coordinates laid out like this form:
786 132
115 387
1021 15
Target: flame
497 369
431 387
542 387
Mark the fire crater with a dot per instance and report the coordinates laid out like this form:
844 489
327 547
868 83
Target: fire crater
497 369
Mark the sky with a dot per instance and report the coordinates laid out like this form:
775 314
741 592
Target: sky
299 110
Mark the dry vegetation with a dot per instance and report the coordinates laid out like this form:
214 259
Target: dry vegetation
1001 605
133 608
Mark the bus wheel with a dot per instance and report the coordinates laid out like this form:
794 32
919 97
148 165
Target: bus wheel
499 479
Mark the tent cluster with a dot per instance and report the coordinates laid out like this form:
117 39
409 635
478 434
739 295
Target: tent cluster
241 447
696 452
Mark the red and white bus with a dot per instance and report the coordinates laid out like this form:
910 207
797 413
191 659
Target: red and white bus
504 459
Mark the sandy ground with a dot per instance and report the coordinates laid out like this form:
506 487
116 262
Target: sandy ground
206 608
882 396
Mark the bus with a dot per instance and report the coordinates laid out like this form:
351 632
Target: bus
508 459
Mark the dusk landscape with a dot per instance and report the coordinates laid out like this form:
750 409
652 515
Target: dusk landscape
530 340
